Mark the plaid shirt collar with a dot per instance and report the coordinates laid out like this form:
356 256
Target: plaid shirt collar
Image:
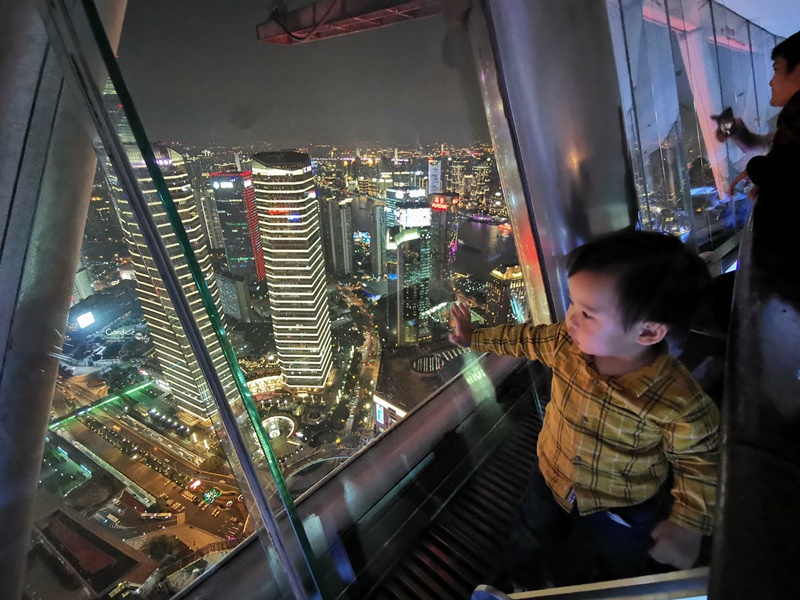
637 382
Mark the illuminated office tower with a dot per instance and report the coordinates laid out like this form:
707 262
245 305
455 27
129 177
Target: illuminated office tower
408 288
378 233
83 286
198 168
444 235
234 295
480 190
102 225
337 234
209 217
289 221
238 222
455 178
435 176
175 356
506 297
367 186
397 195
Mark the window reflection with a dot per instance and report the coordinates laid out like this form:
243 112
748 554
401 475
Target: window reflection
685 62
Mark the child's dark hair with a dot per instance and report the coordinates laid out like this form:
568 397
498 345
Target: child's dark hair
789 50
658 278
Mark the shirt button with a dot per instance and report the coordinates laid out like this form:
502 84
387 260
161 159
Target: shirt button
576 460
595 382
585 419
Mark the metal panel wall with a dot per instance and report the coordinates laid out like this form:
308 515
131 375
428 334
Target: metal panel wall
552 99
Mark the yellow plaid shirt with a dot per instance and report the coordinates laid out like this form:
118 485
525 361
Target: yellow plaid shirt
613 439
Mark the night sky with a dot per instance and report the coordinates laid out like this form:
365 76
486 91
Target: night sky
198 75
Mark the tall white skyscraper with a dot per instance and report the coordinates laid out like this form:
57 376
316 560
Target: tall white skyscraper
175 356
289 220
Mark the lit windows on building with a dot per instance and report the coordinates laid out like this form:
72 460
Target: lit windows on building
506 298
289 221
238 220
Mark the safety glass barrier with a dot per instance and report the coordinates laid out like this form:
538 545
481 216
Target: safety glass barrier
309 346
157 463
369 227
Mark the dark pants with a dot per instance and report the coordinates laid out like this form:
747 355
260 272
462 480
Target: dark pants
542 523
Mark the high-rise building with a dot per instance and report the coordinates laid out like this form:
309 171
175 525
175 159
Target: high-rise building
209 218
83 286
238 221
289 221
173 351
435 177
102 225
397 195
337 234
444 235
506 298
408 289
234 295
198 168
455 178
378 233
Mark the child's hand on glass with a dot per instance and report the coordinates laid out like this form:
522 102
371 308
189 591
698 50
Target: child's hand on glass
462 326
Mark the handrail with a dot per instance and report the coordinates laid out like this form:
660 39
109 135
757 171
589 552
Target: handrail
665 586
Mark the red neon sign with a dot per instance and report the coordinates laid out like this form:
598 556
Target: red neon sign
439 203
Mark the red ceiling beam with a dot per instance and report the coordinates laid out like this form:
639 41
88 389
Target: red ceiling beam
330 18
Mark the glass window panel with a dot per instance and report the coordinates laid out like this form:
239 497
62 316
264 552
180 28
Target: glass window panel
663 187
397 211
144 485
762 42
738 92
333 265
622 54
699 87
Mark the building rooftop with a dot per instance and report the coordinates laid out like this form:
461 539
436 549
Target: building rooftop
284 159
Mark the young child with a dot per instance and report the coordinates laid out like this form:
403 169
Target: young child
622 413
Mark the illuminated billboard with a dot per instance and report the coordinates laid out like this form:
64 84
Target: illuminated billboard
439 203
85 320
415 217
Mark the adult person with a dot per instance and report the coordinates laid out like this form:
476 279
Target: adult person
785 84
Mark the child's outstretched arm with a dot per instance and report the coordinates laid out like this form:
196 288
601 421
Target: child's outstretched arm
462 325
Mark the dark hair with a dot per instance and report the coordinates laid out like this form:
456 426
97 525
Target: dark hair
789 50
657 277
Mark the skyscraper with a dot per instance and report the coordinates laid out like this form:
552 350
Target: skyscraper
175 356
434 176
234 296
410 285
444 235
337 234
238 221
506 299
289 221
378 233
198 169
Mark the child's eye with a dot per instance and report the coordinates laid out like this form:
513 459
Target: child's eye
586 315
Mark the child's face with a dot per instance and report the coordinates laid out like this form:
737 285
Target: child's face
593 319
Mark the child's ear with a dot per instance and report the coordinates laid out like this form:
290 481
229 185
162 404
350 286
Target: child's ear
651 333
